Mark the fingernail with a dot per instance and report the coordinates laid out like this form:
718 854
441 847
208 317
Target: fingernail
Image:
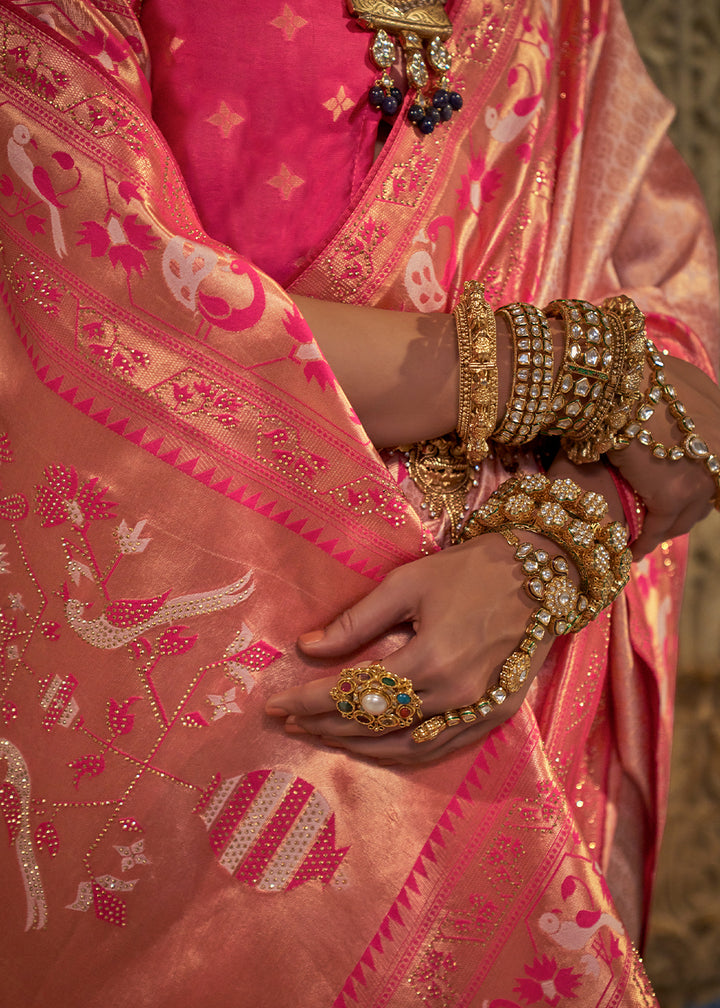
294 729
274 708
311 637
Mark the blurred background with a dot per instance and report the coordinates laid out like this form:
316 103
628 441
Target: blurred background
680 43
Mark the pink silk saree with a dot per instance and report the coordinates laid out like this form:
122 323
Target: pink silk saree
184 489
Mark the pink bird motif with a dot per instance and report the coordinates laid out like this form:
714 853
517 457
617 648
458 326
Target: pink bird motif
127 619
37 180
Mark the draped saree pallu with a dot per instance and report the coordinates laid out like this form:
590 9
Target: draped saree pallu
184 489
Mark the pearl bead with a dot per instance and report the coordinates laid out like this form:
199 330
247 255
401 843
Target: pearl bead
374 703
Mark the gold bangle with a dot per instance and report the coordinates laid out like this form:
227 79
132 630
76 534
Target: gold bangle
477 350
562 512
587 442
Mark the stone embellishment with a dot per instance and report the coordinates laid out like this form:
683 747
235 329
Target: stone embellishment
570 517
598 383
271 830
421 27
375 698
528 408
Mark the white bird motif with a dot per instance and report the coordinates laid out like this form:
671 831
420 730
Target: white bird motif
126 619
575 934
37 180
506 128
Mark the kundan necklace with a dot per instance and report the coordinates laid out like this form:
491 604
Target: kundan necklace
421 27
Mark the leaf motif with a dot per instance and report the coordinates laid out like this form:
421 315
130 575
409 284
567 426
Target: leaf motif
91 42
119 719
217 307
568 887
129 191
296 326
108 906
194 720
129 258
587 918
47 836
171 643
35 224
139 234
91 765
64 159
96 236
529 990
526 105
91 502
116 50
566 981
489 184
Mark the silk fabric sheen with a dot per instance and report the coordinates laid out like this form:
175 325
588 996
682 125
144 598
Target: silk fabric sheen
185 489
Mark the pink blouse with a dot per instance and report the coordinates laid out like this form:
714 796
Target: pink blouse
234 103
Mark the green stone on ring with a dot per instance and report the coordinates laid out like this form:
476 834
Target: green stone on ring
344 707
388 681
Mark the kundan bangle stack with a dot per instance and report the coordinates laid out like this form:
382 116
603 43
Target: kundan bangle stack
594 403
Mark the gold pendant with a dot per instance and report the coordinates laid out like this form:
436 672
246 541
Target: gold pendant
421 27
442 473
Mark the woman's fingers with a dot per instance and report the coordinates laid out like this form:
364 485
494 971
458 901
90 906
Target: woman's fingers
468 614
392 602
658 528
312 708
305 700
434 685
399 747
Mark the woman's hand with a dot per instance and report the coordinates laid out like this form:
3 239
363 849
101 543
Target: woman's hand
677 494
468 612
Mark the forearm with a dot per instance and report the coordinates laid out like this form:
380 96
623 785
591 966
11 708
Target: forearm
398 369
